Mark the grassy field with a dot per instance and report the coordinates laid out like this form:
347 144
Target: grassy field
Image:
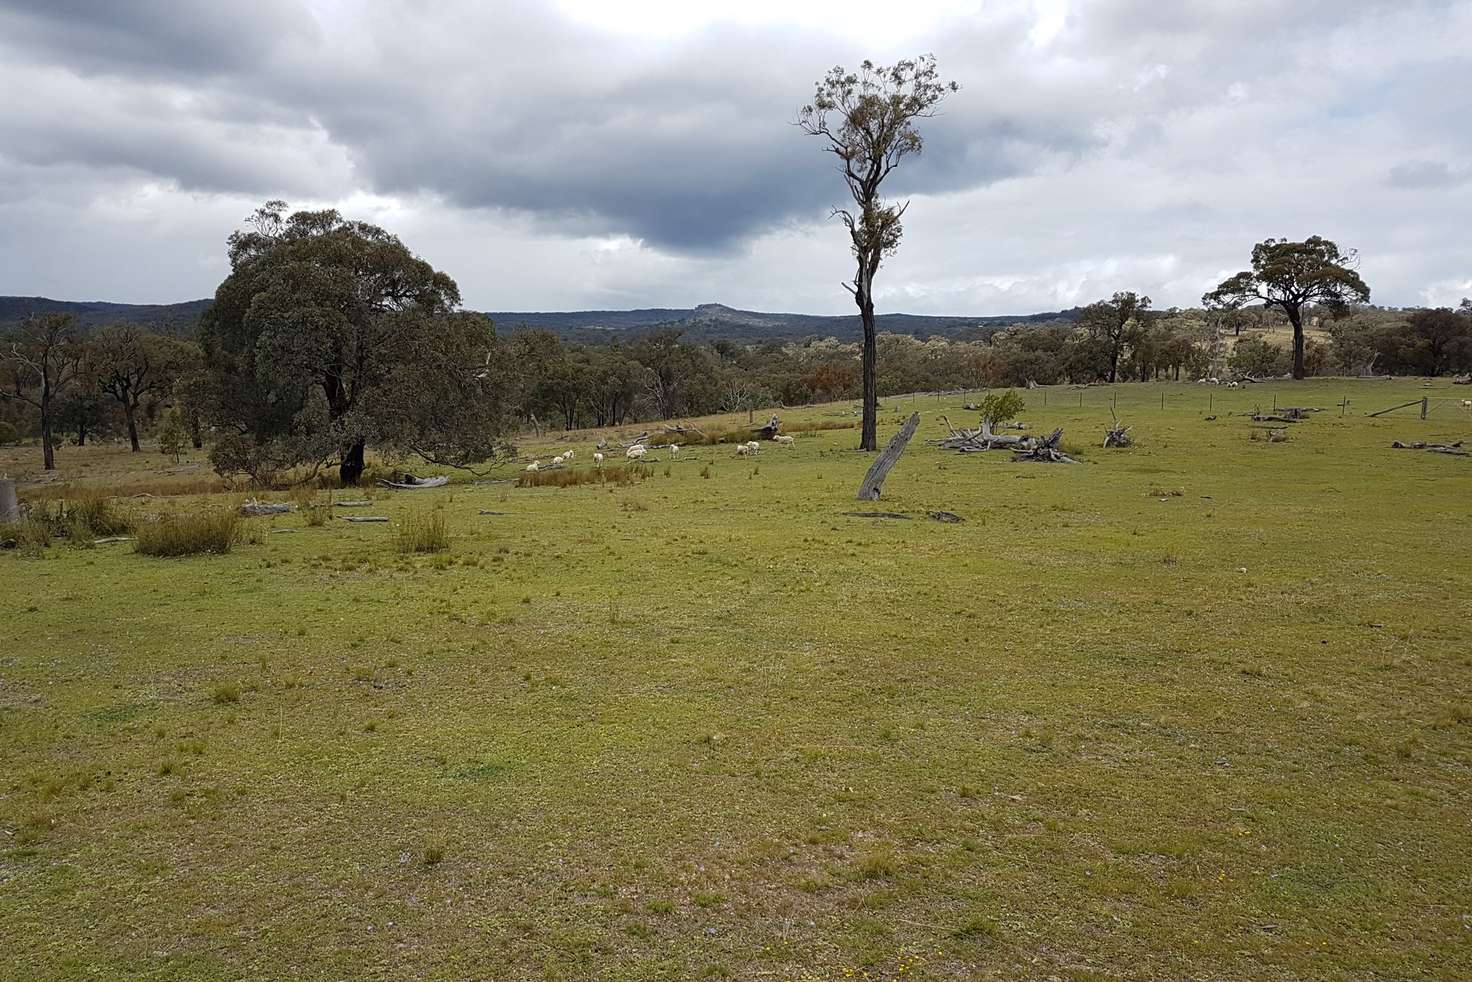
1201 709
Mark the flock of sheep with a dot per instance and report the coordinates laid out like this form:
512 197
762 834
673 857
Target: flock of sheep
638 451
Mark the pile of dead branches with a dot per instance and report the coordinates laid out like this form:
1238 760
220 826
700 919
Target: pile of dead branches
1045 451
979 440
1118 435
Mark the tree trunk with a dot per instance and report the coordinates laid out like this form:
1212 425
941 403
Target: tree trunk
194 431
351 471
48 438
132 414
869 435
81 434
1295 317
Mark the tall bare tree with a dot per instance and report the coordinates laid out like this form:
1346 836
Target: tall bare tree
38 363
1291 275
867 119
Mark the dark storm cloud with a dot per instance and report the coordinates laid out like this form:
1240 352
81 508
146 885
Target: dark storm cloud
689 147
154 36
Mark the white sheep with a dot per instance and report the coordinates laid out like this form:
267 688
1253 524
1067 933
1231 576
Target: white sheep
753 446
1467 403
742 449
597 460
786 441
637 451
674 449
570 454
558 460
533 467
1234 385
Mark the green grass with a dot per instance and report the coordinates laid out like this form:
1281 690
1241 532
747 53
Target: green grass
716 728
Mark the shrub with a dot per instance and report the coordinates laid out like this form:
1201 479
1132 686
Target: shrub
190 533
998 407
8 433
425 532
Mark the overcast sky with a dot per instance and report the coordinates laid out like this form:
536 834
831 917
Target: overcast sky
606 154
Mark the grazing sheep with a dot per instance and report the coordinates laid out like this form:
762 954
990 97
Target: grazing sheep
558 460
786 441
1234 385
597 460
674 449
533 467
636 452
753 446
1467 403
570 454
742 449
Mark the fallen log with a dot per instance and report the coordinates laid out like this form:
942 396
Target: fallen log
352 504
876 514
363 518
874 479
1453 449
253 507
949 517
769 429
412 483
1045 451
979 440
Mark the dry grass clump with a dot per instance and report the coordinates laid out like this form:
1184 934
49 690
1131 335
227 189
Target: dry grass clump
816 425
190 533
424 532
567 477
93 511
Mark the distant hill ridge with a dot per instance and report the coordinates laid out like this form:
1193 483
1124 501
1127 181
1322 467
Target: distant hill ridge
706 322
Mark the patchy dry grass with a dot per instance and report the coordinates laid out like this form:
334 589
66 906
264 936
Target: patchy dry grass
620 475
1193 709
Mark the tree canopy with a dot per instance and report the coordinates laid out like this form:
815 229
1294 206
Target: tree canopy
330 335
1291 275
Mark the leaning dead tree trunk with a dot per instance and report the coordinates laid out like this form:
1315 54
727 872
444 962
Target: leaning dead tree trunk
874 479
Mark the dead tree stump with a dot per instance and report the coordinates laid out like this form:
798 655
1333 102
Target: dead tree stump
9 509
874 479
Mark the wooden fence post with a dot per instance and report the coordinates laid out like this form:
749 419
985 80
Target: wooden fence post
1425 406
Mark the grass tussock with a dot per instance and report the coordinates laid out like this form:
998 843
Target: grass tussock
425 532
190 533
29 537
567 477
94 511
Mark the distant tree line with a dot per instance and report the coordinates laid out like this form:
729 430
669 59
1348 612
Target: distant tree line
329 338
